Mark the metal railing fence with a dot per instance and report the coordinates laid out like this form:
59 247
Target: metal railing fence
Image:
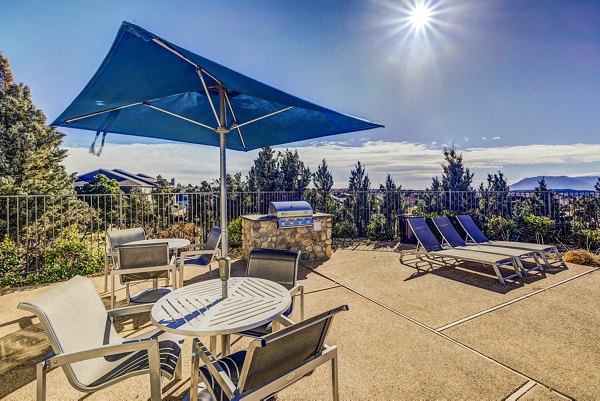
35 222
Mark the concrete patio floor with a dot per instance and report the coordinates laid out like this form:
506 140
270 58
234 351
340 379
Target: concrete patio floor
439 333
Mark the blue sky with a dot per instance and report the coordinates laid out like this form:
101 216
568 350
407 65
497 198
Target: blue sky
513 83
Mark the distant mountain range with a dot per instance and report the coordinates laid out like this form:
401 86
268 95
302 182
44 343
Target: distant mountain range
557 183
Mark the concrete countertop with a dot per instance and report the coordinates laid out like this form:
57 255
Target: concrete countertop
267 217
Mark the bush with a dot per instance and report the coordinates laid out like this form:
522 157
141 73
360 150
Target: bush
537 228
234 233
12 264
345 229
68 258
378 229
582 257
499 227
180 229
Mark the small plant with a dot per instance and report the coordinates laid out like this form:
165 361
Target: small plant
11 263
68 258
537 228
378 229
345 229
234 233
499 227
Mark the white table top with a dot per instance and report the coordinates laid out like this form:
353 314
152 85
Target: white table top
174 243
198 310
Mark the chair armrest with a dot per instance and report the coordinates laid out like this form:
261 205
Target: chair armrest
197 252
111 253
130 310
200 350
298 288
105 350
192 246
148 269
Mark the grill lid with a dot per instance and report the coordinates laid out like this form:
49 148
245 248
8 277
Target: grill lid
290 209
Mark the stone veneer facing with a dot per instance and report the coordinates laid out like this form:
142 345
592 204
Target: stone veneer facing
261 231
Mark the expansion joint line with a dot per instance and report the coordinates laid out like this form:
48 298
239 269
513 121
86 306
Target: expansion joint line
444 336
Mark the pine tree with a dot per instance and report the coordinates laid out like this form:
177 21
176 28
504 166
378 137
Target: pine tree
264 174
391 205
323 179
494 201
547 204
358 199
290 166
455 176
597 185
30 153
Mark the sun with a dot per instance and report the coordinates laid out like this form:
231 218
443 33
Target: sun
420 16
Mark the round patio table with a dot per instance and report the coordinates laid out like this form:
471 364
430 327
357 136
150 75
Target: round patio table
198 309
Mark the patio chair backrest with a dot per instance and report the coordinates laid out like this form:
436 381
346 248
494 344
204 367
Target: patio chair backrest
276 354
278 265
424 235
74 318
445 227
145 255
471 228
212 243
117 238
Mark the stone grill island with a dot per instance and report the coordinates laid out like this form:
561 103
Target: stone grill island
262 231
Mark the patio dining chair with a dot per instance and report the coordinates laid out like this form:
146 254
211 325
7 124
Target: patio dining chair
271 363
201 255
115 238
87 346
280 266
141 263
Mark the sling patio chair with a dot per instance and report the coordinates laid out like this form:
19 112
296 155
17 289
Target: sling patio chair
475 235
271 363
115 238
428 246
280 266
87 346
452 238
200 254
141 263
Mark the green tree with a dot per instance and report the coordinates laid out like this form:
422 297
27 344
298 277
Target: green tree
358 201
455 176
495 197
102 193
323 181
30 153
597 185
391 205
290 166
264 174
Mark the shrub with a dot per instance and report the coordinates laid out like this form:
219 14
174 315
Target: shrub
582 257
499 227
378 229
345 229
11 263
68 258
180 229
537 228
234 233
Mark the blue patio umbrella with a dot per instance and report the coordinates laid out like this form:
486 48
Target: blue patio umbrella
147 86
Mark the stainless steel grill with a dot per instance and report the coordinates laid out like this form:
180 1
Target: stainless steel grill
292 214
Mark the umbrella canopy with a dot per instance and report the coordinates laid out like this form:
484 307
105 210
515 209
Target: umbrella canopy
147 86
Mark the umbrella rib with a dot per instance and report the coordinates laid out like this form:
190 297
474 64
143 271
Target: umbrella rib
263 117
235 120
212 106
178 54
178 116
97 113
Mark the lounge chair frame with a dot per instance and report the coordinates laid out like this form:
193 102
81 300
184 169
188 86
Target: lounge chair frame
458 243
467 256
543 253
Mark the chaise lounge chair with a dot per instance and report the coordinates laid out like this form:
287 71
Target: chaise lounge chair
86 344
475 235
428 246
452 239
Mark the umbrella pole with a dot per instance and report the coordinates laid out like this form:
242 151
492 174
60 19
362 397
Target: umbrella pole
224 261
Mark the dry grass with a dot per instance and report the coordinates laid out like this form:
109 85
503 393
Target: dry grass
582 257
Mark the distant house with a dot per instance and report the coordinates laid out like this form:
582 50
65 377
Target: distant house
127 181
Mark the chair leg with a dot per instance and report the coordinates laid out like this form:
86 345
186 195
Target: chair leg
498 274
127 294
154 362
334 379
178 374
302 303
180 272
41 381
105 273
194 373
112 291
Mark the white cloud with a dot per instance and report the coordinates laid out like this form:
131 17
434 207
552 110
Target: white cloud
466 139
496 138
484 138
411 164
